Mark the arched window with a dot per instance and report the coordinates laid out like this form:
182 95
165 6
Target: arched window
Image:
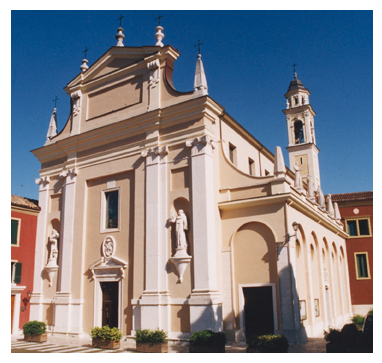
298 132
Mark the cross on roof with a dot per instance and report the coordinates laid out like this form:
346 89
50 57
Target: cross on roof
120 20
55 101
198 45
294 67
85 51
158 18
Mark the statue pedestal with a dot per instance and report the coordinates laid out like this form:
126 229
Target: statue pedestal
51 269
181 259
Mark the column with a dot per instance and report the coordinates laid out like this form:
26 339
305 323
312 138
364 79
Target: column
41 241
205 300
155 302
63 316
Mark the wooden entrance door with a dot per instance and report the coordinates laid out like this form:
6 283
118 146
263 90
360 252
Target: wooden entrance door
12 308
258 310
110 304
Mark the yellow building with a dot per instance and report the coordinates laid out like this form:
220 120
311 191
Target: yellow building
159 210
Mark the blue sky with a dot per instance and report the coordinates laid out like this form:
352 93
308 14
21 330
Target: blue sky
247 56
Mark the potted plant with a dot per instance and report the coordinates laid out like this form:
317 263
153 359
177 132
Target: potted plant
35 331
151 341
347 340
207 341
268 343
106 337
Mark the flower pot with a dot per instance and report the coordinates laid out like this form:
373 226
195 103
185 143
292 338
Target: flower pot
152 347
105 344
36 338
206 349
333 348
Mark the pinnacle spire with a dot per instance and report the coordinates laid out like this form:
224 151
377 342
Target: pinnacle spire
52 129
200 81
279 165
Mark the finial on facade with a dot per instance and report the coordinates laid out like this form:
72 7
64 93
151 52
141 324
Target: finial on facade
120 36
200 82
159 35
337 214
279 165
330 208
297 178
311 195
52 129
84 65
321 198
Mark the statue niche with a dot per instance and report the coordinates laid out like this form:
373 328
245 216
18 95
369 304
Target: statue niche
51 267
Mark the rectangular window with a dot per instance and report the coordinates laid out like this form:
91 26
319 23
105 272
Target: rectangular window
15 231
251 165
16 272
111 209
232 153
358 227
362 265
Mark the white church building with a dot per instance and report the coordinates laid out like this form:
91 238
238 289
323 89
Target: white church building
159 210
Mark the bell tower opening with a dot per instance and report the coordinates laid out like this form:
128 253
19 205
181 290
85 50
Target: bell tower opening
298 132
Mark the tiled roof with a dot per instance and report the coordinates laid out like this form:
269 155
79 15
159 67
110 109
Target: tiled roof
24 202
347 197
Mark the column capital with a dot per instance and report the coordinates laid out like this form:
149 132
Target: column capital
44 181
201 145
68 172
151 154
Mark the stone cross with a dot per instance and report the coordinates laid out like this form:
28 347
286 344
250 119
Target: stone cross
198 45
158 18
120 20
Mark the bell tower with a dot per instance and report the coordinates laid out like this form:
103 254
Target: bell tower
301 136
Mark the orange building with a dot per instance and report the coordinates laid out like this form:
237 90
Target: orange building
24 214
357 212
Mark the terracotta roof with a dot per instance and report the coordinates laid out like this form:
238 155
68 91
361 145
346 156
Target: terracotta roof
24 202
347 197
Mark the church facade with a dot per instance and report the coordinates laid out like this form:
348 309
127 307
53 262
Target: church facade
159 210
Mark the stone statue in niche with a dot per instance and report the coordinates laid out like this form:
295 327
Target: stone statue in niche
51 267
180 259
108 247
53 253
181 226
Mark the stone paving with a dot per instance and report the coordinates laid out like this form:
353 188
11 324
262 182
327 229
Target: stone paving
312 345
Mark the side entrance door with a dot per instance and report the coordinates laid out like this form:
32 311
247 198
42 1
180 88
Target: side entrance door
258 310
110 304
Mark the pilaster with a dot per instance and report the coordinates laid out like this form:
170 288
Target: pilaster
41 239
62 299
155 302
205 300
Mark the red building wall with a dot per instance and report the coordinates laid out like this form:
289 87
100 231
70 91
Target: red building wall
361 290
24 253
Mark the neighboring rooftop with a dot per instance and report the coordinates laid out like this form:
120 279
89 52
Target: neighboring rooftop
347 197
24 202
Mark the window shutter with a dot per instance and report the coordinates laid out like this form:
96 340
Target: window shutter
14 228
17 272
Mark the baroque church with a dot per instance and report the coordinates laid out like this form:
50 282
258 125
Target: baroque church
159 210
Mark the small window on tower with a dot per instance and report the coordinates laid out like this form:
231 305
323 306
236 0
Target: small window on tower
295 100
